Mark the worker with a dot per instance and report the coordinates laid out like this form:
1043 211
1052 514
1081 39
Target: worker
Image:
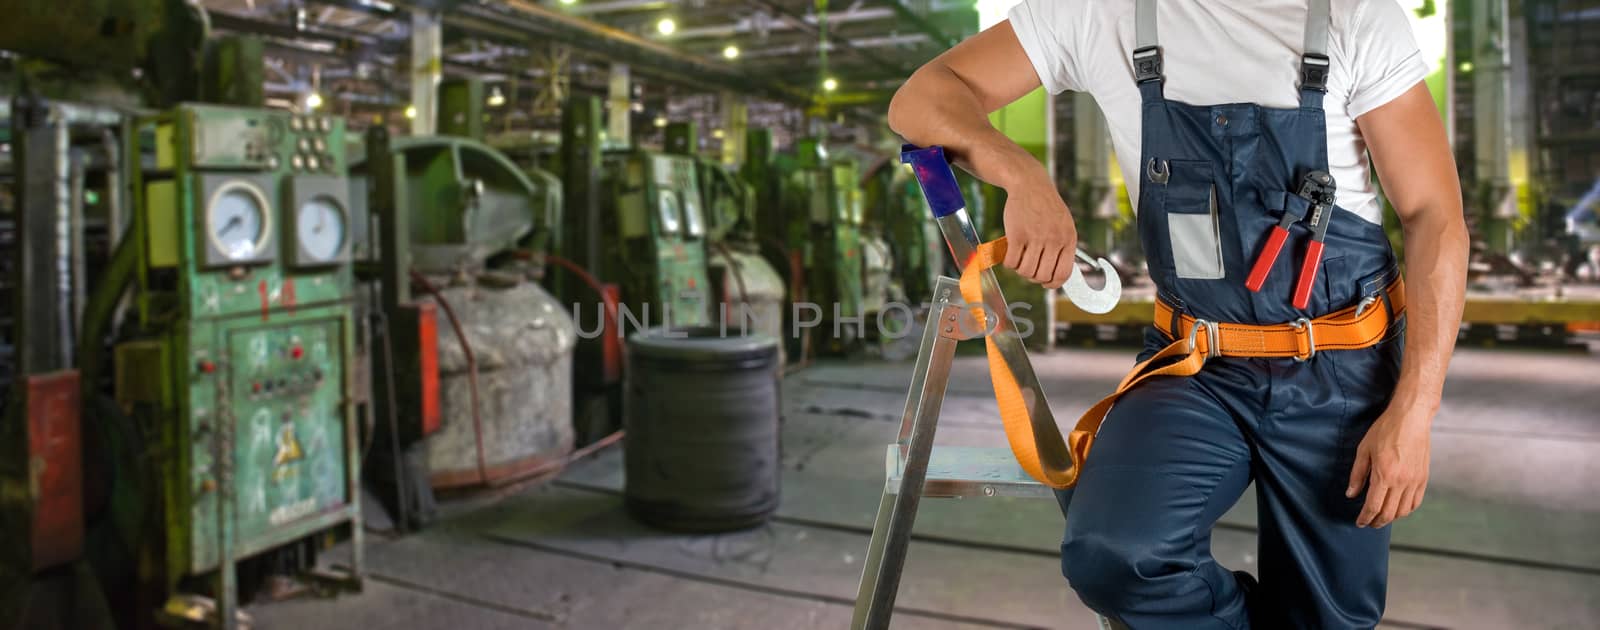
1244 131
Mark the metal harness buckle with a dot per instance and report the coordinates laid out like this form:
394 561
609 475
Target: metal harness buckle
1311 338
1213 337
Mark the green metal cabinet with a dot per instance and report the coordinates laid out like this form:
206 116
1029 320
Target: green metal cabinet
244 284
655 239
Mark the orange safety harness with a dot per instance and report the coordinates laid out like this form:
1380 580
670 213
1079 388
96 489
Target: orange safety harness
1349 329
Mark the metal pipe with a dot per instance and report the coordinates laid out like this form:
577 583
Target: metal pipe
528 22
923 24
800 21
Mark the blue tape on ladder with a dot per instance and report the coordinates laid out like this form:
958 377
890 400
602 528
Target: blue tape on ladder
939 185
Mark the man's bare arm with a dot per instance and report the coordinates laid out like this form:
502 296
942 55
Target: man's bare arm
1412 156
948 101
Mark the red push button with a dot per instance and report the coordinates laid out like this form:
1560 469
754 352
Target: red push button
207 367
296 352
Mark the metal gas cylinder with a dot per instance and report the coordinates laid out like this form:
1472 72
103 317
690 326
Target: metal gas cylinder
701 414
523 342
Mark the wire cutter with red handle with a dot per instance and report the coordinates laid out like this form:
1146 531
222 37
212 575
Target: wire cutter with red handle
1318 189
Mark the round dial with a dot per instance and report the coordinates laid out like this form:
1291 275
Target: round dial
320 226
669 212
691 213
237 221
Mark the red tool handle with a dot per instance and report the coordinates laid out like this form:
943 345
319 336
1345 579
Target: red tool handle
1269 255
1308 274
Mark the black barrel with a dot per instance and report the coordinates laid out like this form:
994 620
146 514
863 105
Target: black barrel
701 411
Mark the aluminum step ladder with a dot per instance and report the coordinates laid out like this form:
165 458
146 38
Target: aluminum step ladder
914 468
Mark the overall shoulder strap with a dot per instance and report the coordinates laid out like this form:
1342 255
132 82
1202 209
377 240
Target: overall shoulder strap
1147 66
1314 63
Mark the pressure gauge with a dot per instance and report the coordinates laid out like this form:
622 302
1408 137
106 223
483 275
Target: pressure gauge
317 209
692 216
669 212
320 228
237 221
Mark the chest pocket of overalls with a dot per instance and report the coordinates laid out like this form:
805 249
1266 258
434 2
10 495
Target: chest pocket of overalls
1193 223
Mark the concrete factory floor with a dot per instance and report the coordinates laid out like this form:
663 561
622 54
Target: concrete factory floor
1508 537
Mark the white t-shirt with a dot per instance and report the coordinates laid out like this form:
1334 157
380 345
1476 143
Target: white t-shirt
1229 51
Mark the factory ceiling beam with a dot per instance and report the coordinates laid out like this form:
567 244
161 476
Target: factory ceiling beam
923 24
799 20
758 25
525 22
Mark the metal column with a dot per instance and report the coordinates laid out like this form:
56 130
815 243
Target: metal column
735 120
45 402
619 103
427 68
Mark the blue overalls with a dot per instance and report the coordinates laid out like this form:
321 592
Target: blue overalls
1176 453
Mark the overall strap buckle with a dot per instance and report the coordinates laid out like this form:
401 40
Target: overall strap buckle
1314 72
1147 65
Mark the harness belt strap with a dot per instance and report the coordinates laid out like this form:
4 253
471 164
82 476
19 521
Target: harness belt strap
1039 450
1356 327
1359 326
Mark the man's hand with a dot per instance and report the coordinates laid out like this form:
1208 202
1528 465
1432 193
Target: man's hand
1412 154
1392 462
1041 237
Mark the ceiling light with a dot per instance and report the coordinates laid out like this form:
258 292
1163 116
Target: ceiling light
661 121
730 52
569 2
313 100
496 97
716 133
411 111
830 84
666 26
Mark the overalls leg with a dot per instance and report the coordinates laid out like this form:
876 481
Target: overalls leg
1168 462
1318 570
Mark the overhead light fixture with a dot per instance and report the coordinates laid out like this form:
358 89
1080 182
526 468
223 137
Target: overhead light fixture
1466 67
667 26
716 133
569 2
661 121
830 84
730 52
496 97
313 101
411 112
637 107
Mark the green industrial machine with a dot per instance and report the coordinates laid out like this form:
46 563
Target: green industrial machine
823 217
635 224
242 369
894 208
655 237
750 292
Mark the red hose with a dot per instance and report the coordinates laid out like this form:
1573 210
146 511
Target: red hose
611 327
472 368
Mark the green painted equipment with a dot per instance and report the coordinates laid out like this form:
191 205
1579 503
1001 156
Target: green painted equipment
244 373
654 244
635 224
503 394
461 103
750 293
828 204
